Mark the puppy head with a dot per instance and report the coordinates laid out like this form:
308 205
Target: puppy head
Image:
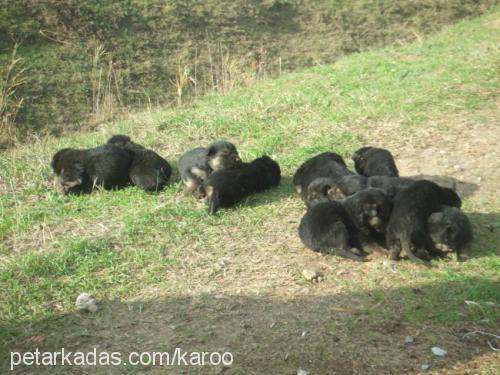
119 140
358 154
222 155
450 230
57 160
69 178
320 190
373 209
270 169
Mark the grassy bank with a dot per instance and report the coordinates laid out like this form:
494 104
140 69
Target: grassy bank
88 62
168 273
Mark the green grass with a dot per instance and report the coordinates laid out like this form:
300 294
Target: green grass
146 45
119 244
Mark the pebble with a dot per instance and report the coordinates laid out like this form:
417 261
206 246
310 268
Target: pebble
425 367
310 274
436 350
302 372
86 301
409 339
390 265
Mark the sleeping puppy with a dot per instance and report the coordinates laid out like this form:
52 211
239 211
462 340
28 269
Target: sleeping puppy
450 230
197 164
349 185
226 187
326 164
324 189
149 170
320 190
80 171
407 229
347 228
373 161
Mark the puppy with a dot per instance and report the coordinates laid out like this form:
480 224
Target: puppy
226 187
320 190
347 228
450 230
326 164
149 171
197 164
349 185
407 229
373 161
79 171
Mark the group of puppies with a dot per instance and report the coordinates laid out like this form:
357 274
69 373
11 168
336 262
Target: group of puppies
218 174
376 211
348 214
117 164
215 173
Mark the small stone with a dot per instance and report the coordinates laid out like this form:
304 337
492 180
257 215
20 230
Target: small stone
409 339
310 274
436 350
302 372
479 179
425 367
389 265
86 301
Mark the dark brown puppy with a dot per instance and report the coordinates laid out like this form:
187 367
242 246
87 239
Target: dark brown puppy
346 228
450 230
80 171
326 164
149 171
226 187
373 161
197 164
407 230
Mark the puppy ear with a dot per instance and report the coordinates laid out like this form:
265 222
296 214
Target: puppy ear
211 151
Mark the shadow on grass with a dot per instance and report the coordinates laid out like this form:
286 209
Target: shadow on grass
360 332
464 189
486 229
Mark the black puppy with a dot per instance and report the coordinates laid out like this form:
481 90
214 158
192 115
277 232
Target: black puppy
326 164
373 161
450 230
407 230
197 164
346 228
81 170
149 170
325 189
226 187
349 185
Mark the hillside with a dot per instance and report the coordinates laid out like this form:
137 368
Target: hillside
91 61
169 275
